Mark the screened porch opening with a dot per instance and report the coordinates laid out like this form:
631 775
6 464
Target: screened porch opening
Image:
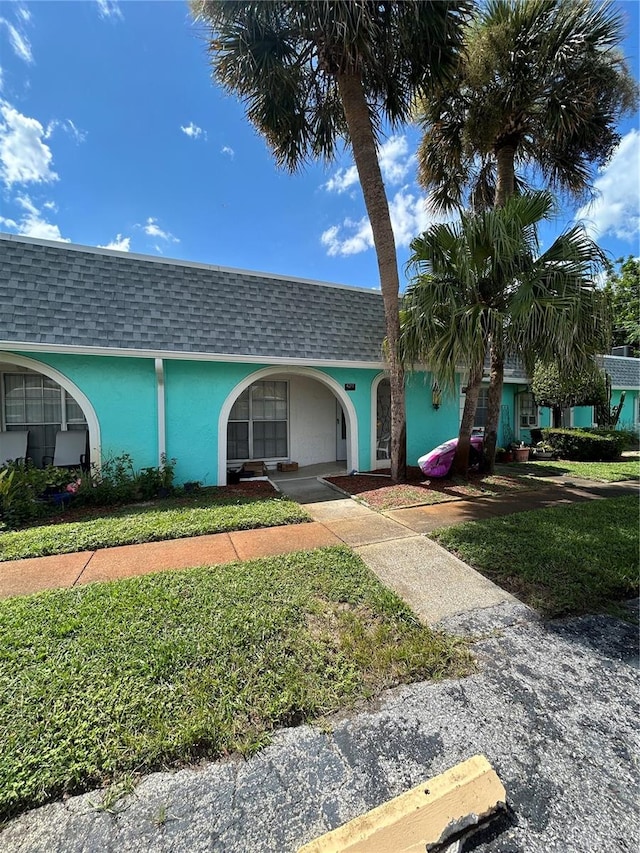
33 402
258 425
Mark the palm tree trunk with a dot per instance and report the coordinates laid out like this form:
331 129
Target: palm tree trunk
365 154
460 463
505 187
505 173
494 401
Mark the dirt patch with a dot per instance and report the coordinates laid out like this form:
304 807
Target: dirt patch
382 493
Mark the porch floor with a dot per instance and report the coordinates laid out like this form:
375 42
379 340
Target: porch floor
322 469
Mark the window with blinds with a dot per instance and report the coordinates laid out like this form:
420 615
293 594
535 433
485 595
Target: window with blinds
258 425
35 402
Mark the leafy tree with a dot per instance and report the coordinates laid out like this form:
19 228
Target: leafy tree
481 280
315 74
540 88
555 386
623 289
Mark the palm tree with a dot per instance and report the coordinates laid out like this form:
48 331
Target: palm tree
315 74
480 282
541 88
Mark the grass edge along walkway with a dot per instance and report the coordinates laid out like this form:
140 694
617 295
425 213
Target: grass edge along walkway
151 672
561 560
136 524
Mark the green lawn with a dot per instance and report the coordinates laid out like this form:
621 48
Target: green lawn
147 673
207 513
606 472
577 559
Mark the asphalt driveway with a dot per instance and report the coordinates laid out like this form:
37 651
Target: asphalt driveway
554 707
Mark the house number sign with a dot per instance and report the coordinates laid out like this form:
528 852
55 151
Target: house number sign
349 386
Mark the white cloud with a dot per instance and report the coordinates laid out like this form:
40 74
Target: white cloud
360 239
228 151
10 223
33 224
342 180
617 209
19 42
152 229
409 217
68 126
119 244
192 130
395 163
394 159
109 9
24 157
25 14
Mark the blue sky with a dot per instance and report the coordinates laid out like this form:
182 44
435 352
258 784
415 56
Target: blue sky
113 134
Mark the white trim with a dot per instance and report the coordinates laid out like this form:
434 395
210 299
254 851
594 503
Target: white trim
375 462
188 355
79 396
265 373
177 262
162 422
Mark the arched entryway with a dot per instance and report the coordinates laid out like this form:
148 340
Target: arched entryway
380 422
280 413
40 399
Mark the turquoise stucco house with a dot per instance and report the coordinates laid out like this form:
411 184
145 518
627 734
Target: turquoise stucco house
215 366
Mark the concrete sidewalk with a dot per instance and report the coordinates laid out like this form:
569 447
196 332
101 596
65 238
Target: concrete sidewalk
434 583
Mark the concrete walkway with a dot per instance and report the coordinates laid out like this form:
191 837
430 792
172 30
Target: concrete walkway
434 583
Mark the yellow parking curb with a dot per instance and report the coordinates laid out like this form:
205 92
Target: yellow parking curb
461 796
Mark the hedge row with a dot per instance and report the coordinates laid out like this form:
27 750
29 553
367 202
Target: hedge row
583 445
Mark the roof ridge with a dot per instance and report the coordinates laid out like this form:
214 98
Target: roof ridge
99 250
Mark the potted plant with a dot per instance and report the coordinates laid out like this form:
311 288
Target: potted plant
542 450
521 452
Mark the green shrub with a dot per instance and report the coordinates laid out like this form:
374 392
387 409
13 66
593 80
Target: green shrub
113 482
21 486
625 438
581 445
116 481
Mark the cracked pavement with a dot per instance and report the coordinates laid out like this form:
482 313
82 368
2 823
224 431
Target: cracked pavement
554 707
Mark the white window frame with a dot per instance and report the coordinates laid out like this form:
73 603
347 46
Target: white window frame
538 413
250 421
484 389
64 421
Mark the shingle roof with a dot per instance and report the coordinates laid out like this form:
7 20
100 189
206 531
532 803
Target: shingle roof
54 293
624 372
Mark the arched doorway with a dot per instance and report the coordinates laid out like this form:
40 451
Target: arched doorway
381 422
281 413
40 399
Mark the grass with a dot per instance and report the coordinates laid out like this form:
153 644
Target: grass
573 559
211 511
131 676
605 472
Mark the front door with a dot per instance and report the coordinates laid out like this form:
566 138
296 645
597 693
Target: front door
341 434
